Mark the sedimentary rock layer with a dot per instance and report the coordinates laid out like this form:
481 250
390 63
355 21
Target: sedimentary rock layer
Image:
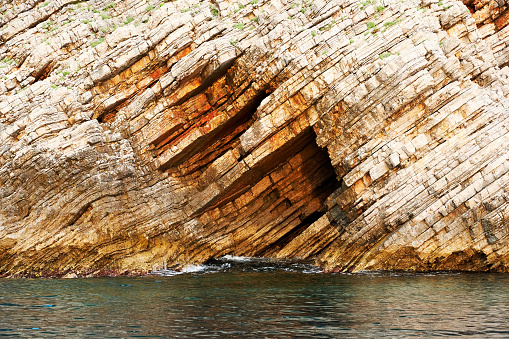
361 135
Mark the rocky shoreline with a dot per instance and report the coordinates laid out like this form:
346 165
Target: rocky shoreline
362 135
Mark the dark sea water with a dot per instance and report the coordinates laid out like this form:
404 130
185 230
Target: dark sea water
239 298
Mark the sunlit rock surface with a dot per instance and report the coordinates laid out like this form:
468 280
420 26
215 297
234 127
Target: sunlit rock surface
362 135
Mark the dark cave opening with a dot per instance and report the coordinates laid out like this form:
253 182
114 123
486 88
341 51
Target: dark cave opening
316 172
301 179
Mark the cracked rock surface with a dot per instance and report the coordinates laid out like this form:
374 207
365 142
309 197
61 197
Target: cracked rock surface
358 134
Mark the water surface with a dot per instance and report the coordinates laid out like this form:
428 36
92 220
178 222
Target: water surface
239 298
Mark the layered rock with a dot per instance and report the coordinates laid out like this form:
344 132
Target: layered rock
363 135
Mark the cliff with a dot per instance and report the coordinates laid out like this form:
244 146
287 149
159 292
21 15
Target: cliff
361 135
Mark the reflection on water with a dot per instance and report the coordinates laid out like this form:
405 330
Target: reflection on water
265 300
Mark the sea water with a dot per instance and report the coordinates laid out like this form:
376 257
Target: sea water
253 298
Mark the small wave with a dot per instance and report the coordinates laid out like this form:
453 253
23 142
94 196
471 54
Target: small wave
231 263
192 268
236 258
181 270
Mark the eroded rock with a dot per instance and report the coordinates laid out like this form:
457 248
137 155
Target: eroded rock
365 135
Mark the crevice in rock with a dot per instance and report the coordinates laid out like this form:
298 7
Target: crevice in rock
44 71
80 213
110 113
503 65
217 142
292 234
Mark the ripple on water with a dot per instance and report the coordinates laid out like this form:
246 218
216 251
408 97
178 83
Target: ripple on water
242 297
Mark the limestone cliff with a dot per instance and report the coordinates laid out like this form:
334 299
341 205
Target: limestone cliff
363 135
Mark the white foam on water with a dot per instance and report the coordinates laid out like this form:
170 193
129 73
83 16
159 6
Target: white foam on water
165 273
186 269
232 263
192 268
236 258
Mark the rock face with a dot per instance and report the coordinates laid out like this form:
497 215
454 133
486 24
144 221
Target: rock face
363 135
